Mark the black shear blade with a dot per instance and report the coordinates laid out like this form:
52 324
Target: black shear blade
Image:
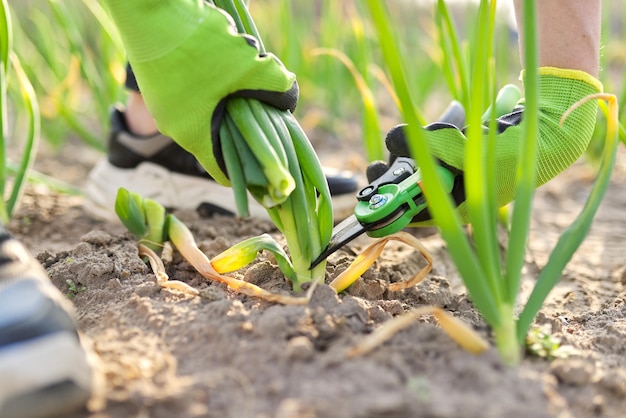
344 232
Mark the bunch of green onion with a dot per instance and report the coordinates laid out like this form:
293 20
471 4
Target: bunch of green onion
267 154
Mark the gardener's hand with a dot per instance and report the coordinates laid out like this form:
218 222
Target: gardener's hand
559 146
188 58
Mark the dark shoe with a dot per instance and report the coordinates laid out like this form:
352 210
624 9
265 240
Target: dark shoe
157 168
44 369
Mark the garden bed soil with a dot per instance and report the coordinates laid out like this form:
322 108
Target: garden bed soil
163 353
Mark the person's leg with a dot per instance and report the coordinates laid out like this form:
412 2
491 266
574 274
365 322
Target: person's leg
569 33
44 368
143 160
138 117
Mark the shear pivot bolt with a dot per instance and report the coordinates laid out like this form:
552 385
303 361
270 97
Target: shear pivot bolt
377 201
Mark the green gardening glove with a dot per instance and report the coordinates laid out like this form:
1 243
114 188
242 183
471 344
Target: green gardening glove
188 58
558 146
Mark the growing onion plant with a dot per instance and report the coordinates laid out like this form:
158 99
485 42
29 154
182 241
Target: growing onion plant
493 285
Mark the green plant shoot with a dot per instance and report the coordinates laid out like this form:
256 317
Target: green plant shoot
9 60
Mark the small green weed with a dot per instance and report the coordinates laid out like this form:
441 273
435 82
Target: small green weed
542 343
74 288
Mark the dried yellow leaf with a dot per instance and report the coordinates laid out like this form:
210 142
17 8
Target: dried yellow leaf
368 256
460 332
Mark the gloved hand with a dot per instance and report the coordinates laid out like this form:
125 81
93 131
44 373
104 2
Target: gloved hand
558 146
188 58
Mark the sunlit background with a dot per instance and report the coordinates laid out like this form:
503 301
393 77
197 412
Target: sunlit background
75 60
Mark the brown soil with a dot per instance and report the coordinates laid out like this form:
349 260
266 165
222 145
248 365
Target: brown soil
166 354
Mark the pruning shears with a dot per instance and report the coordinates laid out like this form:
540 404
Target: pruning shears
389 203
386 205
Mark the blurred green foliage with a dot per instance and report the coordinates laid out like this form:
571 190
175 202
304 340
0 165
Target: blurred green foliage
75 60
72 55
